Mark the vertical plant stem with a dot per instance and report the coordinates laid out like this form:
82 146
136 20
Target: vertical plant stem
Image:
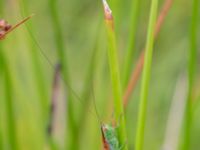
37 70
146 76
8 98
140 62
65 70
131 42
18 96
9 109
88 84
115 76
2 74
191 74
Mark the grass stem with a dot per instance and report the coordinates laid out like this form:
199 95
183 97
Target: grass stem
191 74
140 62
10 110
146 76
65 70
11 126
115 75
37 69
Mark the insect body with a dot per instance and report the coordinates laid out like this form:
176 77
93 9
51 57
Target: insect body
110 140
109 135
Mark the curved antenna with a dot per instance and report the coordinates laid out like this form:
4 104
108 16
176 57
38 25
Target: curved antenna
95 106
104 141
78 98
52 66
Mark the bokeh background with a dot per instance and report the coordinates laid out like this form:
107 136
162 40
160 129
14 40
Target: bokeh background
72 32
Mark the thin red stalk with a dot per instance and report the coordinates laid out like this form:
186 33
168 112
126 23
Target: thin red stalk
134 78
138 69
17 25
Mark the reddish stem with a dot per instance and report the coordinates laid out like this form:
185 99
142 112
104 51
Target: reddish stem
138 69
14 27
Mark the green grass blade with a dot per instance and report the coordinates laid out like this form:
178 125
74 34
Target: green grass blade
11 128
1 75
146 76
128 60
88 82
115 75
36 67
65 69
2 93
10 109
191 74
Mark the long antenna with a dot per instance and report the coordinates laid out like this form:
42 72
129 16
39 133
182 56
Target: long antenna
95 106
105 143
52 66
78 98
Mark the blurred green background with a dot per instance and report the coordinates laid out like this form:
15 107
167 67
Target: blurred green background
72 32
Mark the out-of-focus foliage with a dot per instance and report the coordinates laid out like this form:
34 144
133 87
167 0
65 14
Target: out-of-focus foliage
27 70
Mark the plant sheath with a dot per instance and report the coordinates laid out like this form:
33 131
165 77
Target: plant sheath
115 76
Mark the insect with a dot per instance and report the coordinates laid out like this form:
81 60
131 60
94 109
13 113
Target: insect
110 139
109 134
6 28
